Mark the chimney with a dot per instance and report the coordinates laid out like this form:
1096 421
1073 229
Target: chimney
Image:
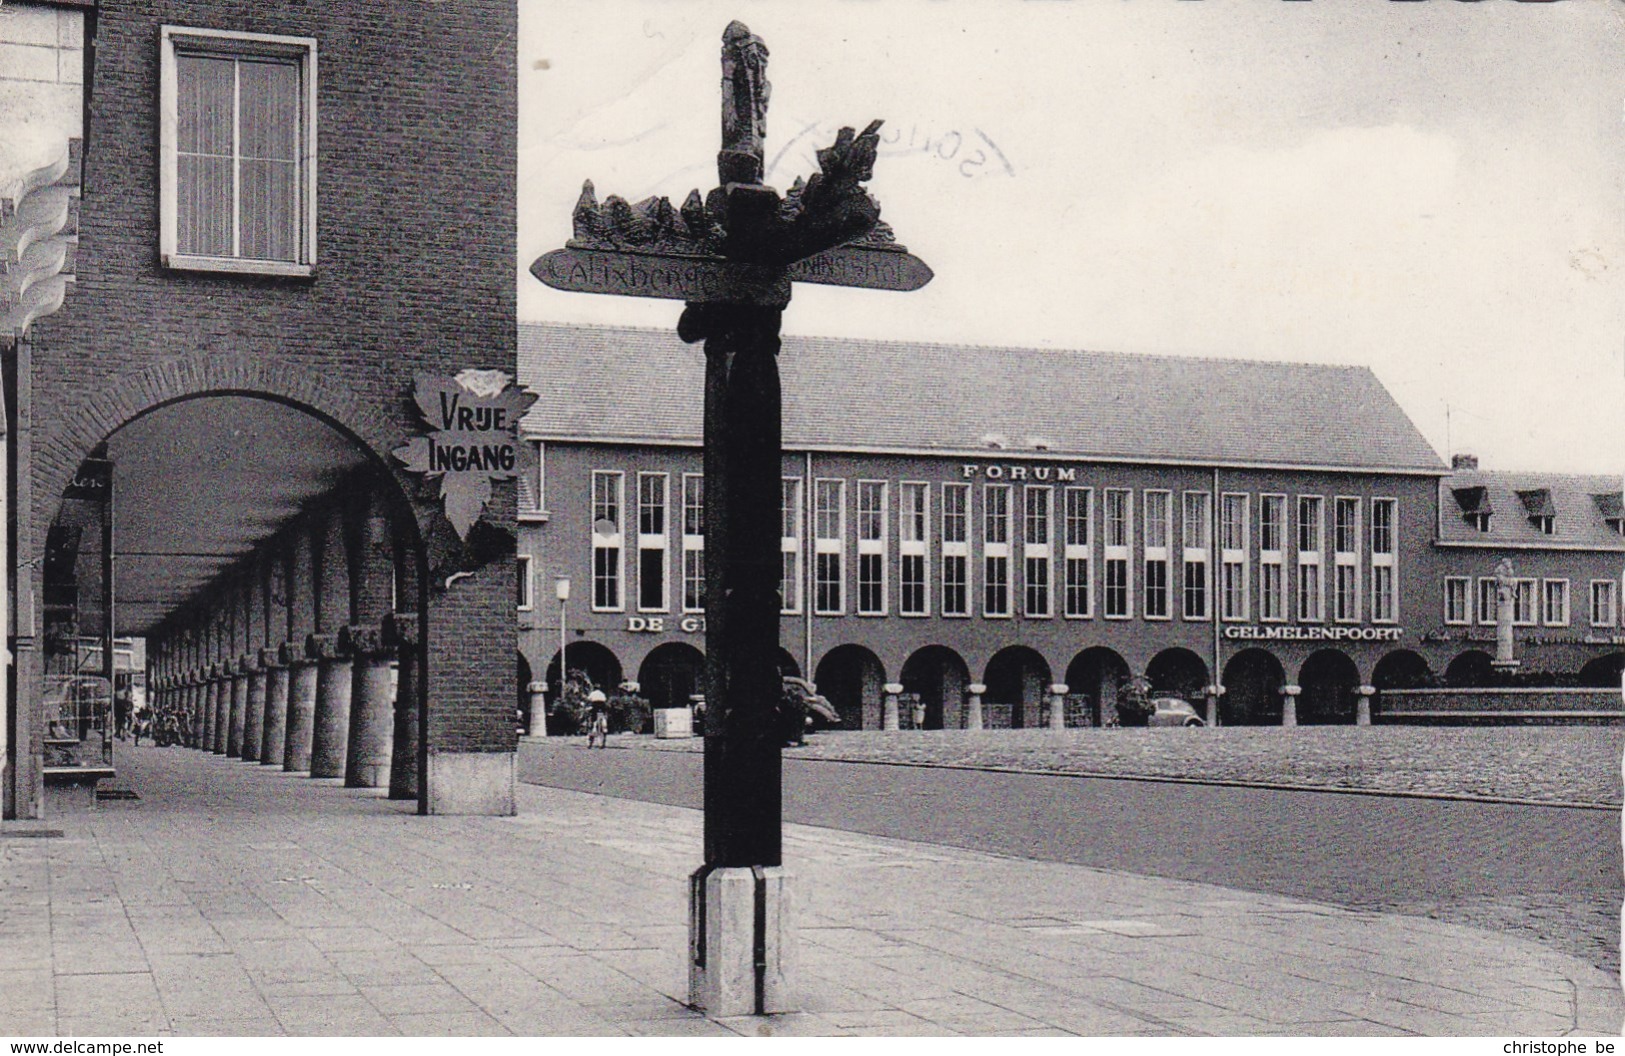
1463 461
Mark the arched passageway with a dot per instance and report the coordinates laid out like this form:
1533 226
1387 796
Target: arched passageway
937 676
1604 672
1017 680
1252 680
1469 670
671 674
1401 669
788 665
851 678
597 662
1329 679
1097 675
1177 673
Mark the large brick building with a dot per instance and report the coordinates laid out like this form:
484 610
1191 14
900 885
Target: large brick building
290 211
999 528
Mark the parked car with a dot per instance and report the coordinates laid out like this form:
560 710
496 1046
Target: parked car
1172 711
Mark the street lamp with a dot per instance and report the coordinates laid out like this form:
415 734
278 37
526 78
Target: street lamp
561 590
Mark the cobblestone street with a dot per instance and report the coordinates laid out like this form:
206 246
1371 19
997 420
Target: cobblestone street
1547 764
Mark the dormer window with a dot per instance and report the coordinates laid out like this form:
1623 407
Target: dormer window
1537 502
1475 506
1612 507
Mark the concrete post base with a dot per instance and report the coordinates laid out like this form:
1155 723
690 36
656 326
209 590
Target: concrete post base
372 721
301 716
1289 705
274 737
889 719
538 708
330 733
1057 706
1362 705
741 941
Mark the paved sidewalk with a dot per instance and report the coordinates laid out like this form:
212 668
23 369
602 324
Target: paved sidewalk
233 899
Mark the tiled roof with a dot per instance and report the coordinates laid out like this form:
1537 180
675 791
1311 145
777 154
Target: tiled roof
1578 506
644 384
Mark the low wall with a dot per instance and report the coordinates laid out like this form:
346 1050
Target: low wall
1499 706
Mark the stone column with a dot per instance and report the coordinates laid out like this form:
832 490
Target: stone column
888 714
1057 706
330 732
401 632
538 708
238 690
1505 586
372 711
368 746
300 583
254 711
274 733
973 705
219 684
1362 704
1289 705
1212 693
253 657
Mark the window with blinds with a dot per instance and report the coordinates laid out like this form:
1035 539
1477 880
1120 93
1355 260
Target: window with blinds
238 141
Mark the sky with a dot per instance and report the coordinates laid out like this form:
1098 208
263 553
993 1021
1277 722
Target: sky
1435 190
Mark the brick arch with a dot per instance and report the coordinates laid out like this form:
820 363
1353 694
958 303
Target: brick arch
57 455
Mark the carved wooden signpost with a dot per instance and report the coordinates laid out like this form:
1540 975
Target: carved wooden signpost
732 256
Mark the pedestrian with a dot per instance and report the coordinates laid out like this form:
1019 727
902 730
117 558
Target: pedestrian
121 713
599 723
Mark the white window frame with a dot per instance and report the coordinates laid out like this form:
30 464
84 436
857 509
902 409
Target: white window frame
1156 555
614 541
653 542
1078 555
1040 553
1308 559
836 545
1531 616
1276 559
1546 618
1612 595
183 39
1467 600
956 553
875 547
1000 552
790 544
1195 555
1347 559
527 588
1479 598
692 543
1122 555
908 548
1388 559
1233 560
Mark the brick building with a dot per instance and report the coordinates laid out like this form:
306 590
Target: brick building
290 212
997 528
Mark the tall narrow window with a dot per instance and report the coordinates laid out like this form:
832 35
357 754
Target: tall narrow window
1311 527
1271 557
1486 600
1346 560
996 550
237 143
956 549
1604 602
871 548
1079 551
790 535
1456 589
1196 528
526 600
608 538
1117 601
1384 576
913 542
829 547
652 543
693 542
1523 602
1158 527
1036 548
1555 603
1233 557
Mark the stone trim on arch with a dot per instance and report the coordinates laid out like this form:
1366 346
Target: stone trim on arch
58 453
